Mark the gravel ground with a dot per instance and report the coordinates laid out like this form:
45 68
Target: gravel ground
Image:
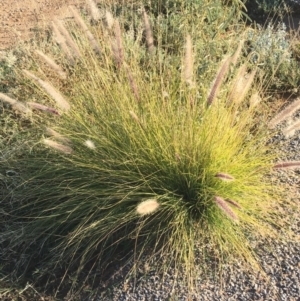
280 259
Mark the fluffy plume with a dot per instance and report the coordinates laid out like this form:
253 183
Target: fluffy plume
147 207
50 90
15 104
109 20
90 144
60 40
38 106
178 158
7 99
288 164
134 116
65 33
50 62
241 85
255 100
221 75
94 10
234 203
57 146
236 55
285 113
224 176
290 130
238 84
224 207
148 33
117 46
57 136
80 22
188 61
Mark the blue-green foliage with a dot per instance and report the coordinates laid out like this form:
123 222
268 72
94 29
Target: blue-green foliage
270 46
270 49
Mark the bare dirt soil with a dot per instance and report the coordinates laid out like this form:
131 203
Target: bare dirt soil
19 18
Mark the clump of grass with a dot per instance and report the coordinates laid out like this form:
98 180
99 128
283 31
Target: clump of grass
121 174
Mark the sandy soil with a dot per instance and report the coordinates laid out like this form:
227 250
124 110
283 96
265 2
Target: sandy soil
18 18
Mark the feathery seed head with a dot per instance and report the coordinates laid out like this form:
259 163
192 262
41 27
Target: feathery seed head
285 113
80 22
217 82
255 99
68 39
188 61
57 136
290 130
15 104
234 203
236 55
50 90
220 202
38 106
61 41
241 85
288 164
117 46
94 10
109 20
133 85
58 146
147 207
134 116
224 176
148 33
50 62
90 144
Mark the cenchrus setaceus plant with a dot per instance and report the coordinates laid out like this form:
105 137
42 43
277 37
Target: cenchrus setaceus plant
131 154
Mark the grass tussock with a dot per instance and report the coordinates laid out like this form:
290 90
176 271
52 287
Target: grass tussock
138 161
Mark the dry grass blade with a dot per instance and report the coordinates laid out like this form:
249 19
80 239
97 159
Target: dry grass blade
80 22
224 207
15 103
147 207
217 82
285 113
290 130
50 90
148 33
288 164
188 61
50 62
